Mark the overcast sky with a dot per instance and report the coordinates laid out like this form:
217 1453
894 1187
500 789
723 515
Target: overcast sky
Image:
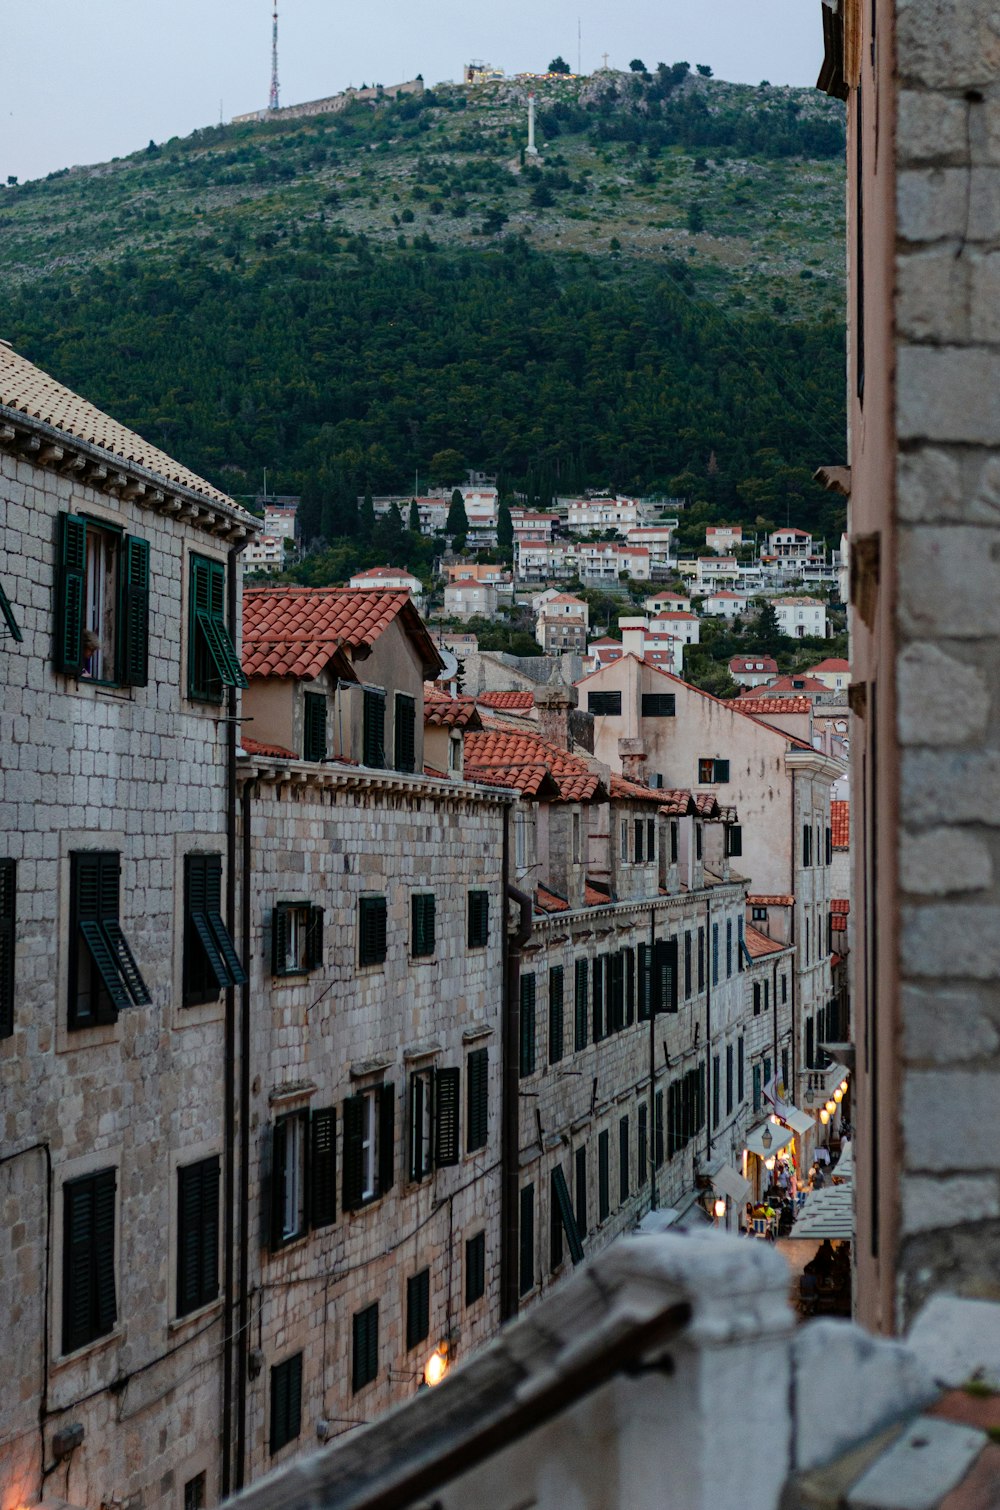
82 81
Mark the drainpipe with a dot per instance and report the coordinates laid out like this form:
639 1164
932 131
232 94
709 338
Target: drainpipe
229 1054
511 1093
651 1135
709 961
243 1301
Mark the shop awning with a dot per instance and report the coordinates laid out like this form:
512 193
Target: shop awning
843 1170
827 1213
729 1182
799 1121
780 1137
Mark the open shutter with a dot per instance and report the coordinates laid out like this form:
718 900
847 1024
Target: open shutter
527 1043
580 1006
78 1264
405 733
478 1108
323 1167
279 940
314 939
447 1084
314 726
566 1214
222 651
95 889
8 619
188 1239
203 880
279 1164
105 1186
209 1275
664 994
135 612
386 1138
123 957
373 711
527 1240
352 1192
629 987
597 1002
70 594
555 1014
8 939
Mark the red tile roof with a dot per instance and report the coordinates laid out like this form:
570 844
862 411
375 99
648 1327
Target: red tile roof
677 802
298 631
529 780
257 747
762 706
592 897
838 923
755 663
634 791
832 663
674 615
840 823
707 804
514 752
548 901
758 944
778 899
507 699
444 712
840 905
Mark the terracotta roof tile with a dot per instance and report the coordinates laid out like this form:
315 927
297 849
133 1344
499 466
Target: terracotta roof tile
707 804
841 905
840 823
32 392
548 901
796 683
761 706
258 747
758 944
592 897
444 712
529 780
676 802
512 751
832 663
838 923
634 791
297 631
777 899
507 699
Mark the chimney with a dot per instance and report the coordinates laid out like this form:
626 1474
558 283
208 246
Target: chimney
554 702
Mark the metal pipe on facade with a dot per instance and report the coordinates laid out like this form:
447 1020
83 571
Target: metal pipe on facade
229 1055
243 1228
510 1088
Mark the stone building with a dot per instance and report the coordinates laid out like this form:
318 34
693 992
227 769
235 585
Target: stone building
117 960
920 82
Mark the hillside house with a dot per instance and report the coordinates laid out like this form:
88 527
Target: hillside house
543 561
801 617
752 670
469 598
389 579
724 604
562 624
714 572
724 539
607 560
790 544
834 672
667 602
591 516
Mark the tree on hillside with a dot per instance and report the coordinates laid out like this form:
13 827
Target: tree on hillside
414 521
559 65
447 468
637 65
458 519
767 638
366 518
704 70
505 530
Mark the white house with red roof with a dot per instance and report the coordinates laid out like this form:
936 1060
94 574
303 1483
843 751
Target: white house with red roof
645 637
586 516
717 571
389 579
724 538
658 539
725 604
469 598
667 602
562 624
834 672
533 526
544 560
752 670
790 544
801 617
607 560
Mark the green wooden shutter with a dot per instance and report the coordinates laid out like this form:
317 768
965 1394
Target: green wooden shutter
94 899
386 1138
447 1088
405 733
418 1305
224 944
279 939
78 1264
313 726
314 939
580 1192
566 1214
422 919
629 956
279 1155
527 1240
365 1364
105 1186
212 659
597 1000
478 1099
479 919
373 728
623 1159
617 965
722 770
8 942
71 589
555 1014
603 1177
527 1025
475 1268
286 1403
323 1167
188 1239
658 1129
580 1006
664 993
372 930
135 612
642 1143
7 616
352 1193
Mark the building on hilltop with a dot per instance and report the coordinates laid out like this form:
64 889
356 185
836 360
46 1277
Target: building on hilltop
800 617
389 579
753 670
562 623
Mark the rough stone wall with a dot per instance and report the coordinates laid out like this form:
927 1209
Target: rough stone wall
322 1037
140 771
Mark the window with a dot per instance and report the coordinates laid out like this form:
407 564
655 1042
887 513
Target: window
527 1235
658 704
729 947
296 938
784 1070
103 975
404 731
659 1130
580 1191
373 728
369 1153
196 1492
758 914
756 998
807 844
372 913
674 841
650 838
711 772
197 1235
286 1402
102 603
313 726
365 1366
527 1025
288 1179
580 1005
597 1001
555 1224
740 1071
555 1014
212 659
478 1099
422 925
604 704
664 976
716 1090
475 1268
479 919
623 1160
90 1307
687 965
829 847
810 1044
715 954
210 959
624 844
756 1087
418 1309
434 1096
784 989
697 841
701 959
729 1079
734 840
638 848
447 1090
603 1177
8 940
642 1143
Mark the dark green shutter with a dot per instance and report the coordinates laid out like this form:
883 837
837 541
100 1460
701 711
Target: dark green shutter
7 615
314 939
597 1000
372 930
313 726
664 973
580 1192
418 1307
279 939
478 1099
603 1177
555 1226
323 1167
580 1006
475 1268
527 1240
447 1088
479 919
422 920
365 1328
94 880
617 967
279 1154
386 1138
212 659
629 955
135 612
405 733
286 1402
642 1143
71 587
373 730
8 941
623 1159
354 1175
203 881
566 1214
197 1235
658 1129
722 770
527 1025
89 1300
555 1014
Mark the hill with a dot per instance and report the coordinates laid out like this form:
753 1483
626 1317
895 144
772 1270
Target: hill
655 306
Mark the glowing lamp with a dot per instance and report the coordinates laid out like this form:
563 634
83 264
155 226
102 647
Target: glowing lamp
831 1107
720 1208
843 1086
769 1163
766 1139
838 1095
436 1366
824 1115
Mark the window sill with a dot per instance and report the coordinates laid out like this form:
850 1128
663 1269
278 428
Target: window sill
90 1349
100 1035
179 1323
279 1249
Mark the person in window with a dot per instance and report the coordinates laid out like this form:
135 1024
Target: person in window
91 645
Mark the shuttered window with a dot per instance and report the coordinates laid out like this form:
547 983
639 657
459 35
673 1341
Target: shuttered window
741 1070
658 1130
603 1177
212 659
447 1090
90 1307
479 919
8 621
418 1309
286 1402
373 728
623 1160
313 726
478 1099
197 1235
372 914
597 1001
734 840
526 1267
289 1178
664 976
322 1172
135 613
658 704
211 963
642 1143
629 957
296 938
688 983
616 991
365 1364
580 1192
8 944
103 975
475 1268
422 925
369 1146
644 966
555 1014
527 1025
405 737
729 1079
102 603
580 1005
716 1090
604 704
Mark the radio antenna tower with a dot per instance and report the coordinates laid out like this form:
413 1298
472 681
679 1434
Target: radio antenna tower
272 103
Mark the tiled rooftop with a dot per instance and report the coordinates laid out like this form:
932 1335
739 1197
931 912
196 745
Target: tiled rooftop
548 901
634 791
789 684
258 747
513 752
772 899
762 706
297 631
758 944
512 700
32 392
840 823
832 663
840 905
445 712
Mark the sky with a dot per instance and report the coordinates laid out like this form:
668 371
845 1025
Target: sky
82 81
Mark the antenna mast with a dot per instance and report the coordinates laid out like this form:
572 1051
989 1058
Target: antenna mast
272 103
